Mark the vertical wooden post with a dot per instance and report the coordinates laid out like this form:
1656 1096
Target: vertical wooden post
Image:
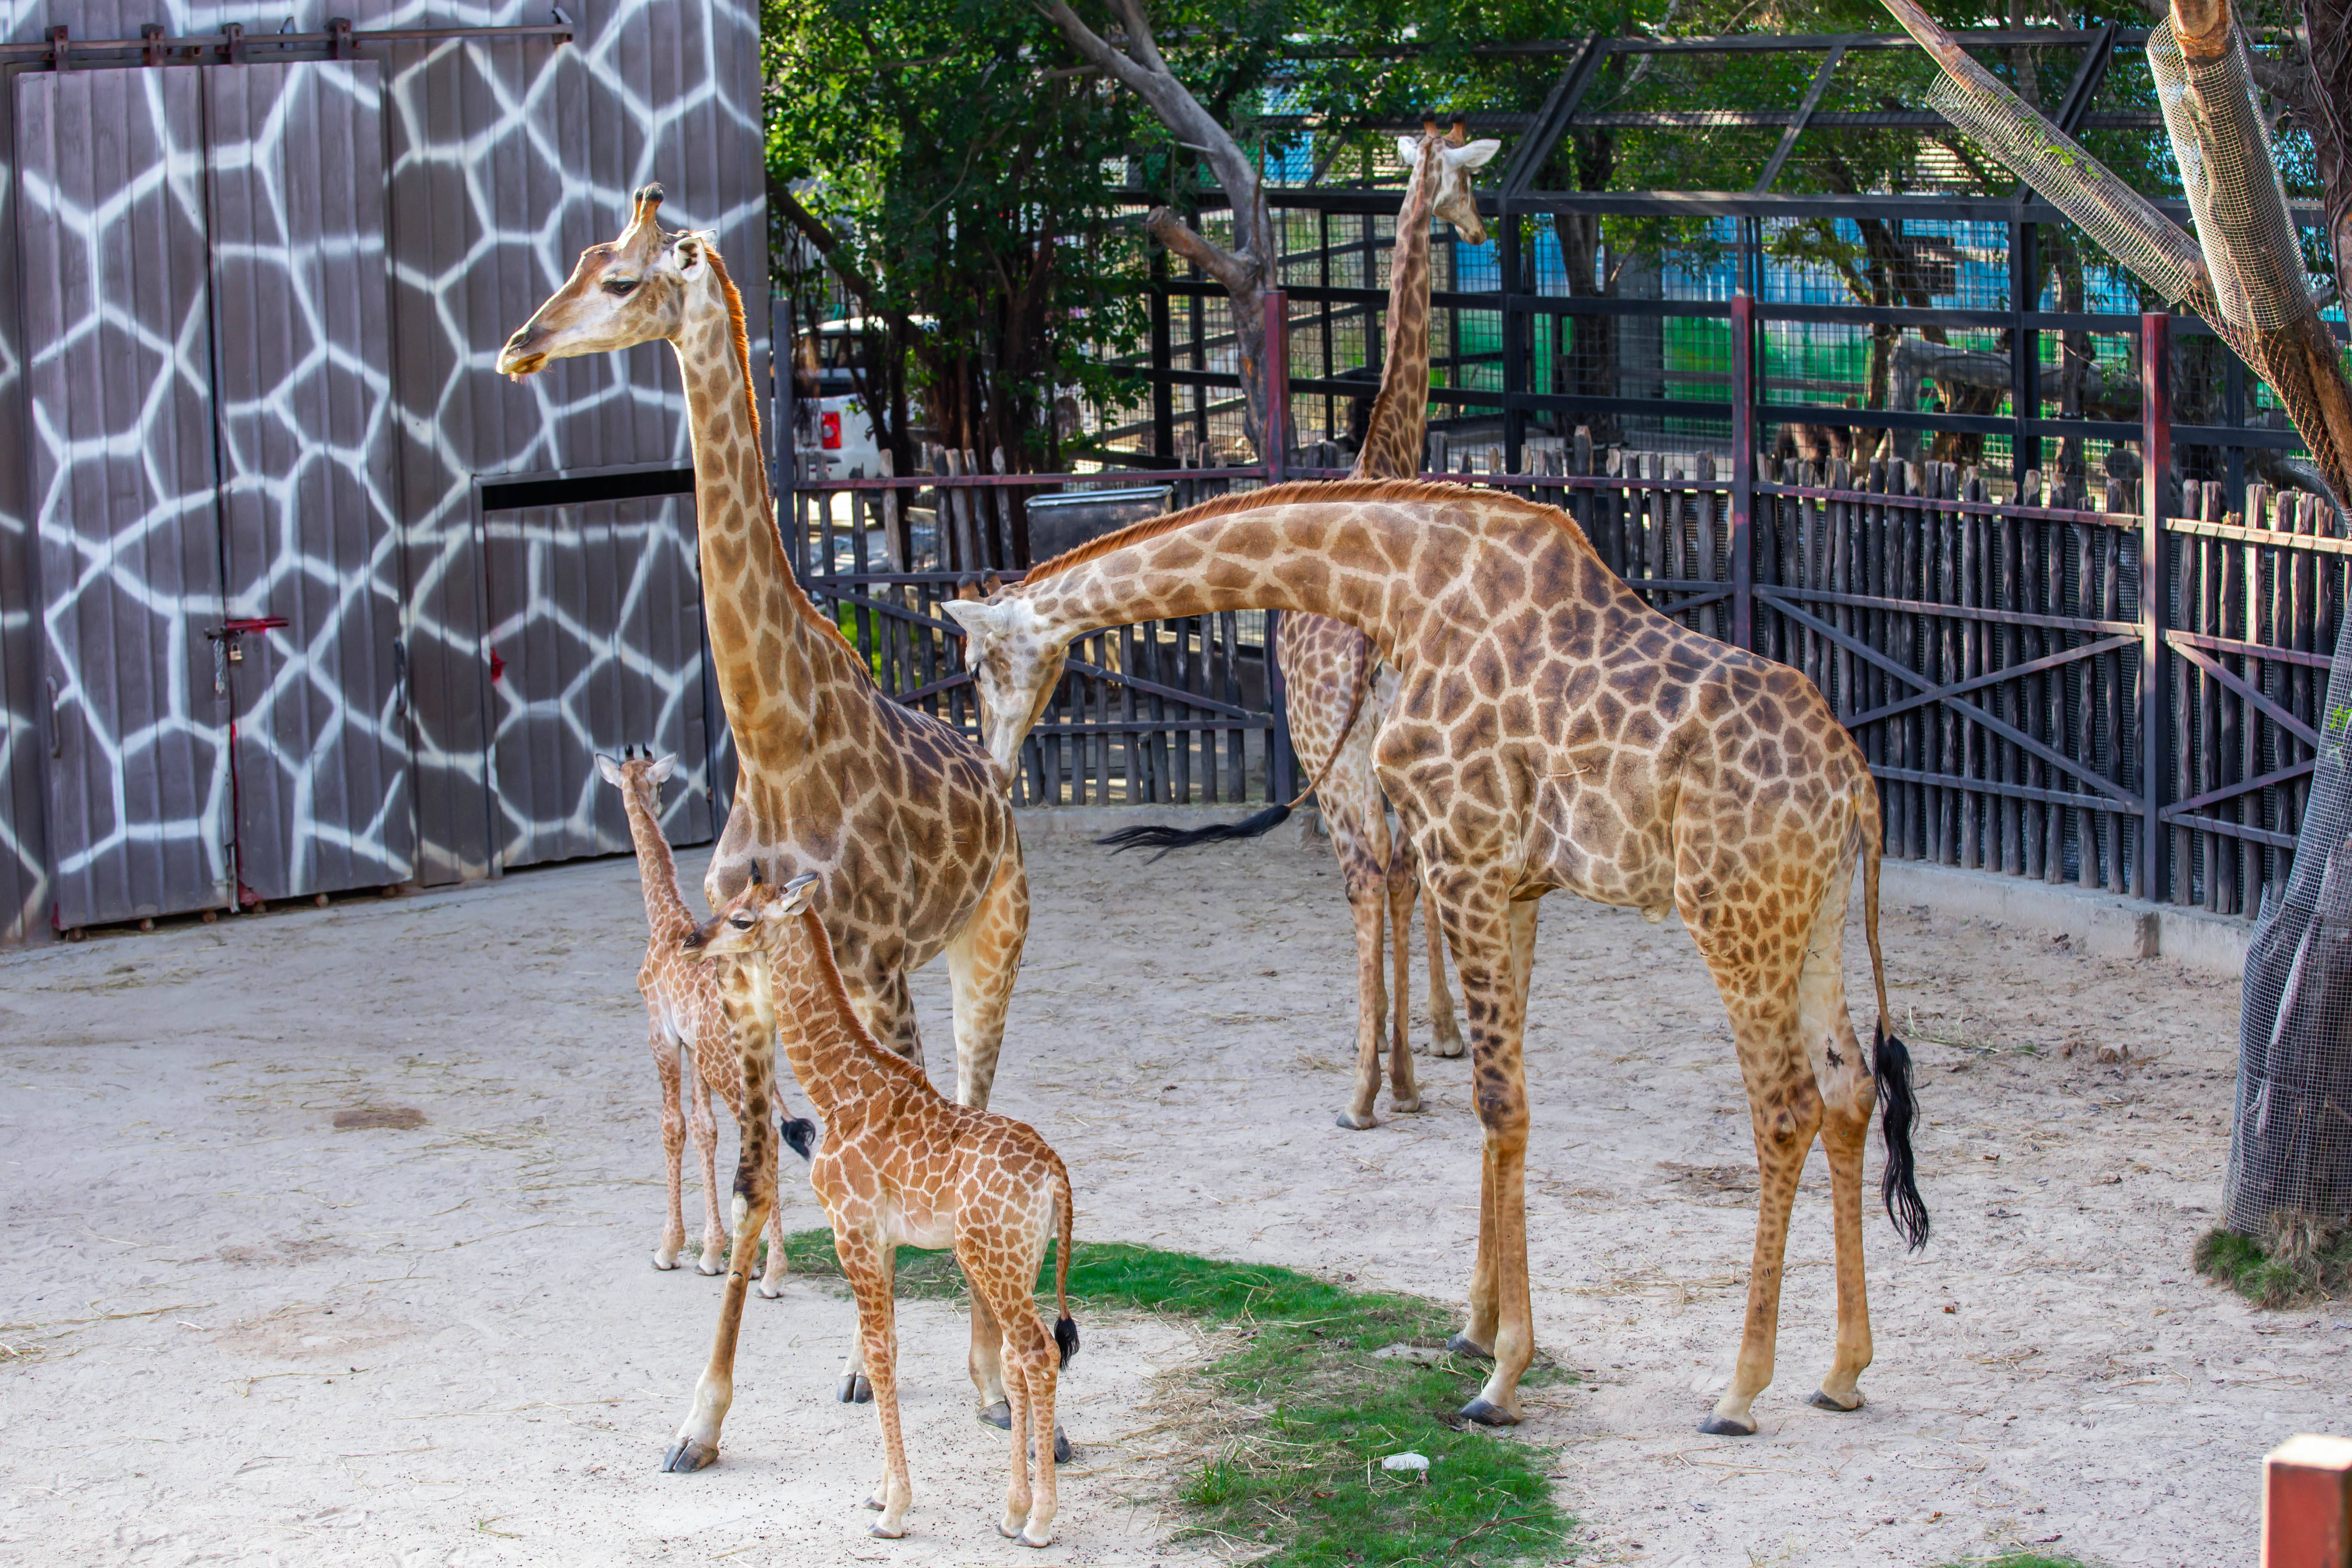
2307 1504
1277 389
2156 465
1514 345
1743 469
780 430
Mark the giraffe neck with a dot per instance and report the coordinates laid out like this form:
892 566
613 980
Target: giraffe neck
1399 428
1412 566
774 659
845 1075
665 909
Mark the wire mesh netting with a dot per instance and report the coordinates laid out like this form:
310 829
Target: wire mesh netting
2291 1136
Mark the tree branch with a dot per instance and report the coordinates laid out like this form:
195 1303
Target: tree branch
828 244
1231 271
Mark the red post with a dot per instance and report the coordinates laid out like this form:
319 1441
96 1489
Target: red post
2156 467
1743 469
1277 384
2307 1504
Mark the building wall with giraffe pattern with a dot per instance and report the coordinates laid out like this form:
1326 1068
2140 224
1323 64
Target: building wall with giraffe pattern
247 316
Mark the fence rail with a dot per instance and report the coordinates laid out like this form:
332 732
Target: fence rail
2118 689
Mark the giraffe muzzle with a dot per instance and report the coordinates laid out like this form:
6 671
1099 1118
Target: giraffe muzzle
518 359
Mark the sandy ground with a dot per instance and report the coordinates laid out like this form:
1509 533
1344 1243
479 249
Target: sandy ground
235 1333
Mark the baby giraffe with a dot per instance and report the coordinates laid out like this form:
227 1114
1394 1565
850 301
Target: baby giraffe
692 1038
901 1163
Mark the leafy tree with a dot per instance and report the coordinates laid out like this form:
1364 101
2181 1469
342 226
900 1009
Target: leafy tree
951 173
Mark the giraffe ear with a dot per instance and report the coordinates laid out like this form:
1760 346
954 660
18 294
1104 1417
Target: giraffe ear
798 893
1475 155
978 617
1408 152
690 253
663 767
609 768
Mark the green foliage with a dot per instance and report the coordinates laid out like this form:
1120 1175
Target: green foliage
1306 1478
964 174
2295 1266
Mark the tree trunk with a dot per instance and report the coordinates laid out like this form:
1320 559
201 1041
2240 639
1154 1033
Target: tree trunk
2291 1148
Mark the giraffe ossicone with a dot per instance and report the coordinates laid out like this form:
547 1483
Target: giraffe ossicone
903 1165
898 813
1551 731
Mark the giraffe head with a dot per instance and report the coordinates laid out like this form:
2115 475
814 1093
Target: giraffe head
746 924
631 291
1450 160
1014 666
638 773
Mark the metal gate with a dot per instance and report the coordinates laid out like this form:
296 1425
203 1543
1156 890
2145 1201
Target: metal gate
201 254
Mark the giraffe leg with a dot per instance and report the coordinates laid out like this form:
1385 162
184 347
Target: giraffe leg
985 1361
1404 1092
1444 1033
983 960
1365 880
1018 1493
1849 1095
673 1130
868 1265
697 1438
705 1123
1492 938
1784 1112
771 1282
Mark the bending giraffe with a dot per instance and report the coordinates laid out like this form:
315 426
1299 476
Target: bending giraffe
896 813
1553 732
901 1166
1338 693
688 1027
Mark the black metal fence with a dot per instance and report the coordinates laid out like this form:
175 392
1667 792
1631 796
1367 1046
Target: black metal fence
2030 704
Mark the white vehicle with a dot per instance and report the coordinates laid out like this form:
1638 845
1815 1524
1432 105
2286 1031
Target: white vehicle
839 424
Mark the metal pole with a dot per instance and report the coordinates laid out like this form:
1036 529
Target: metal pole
1743 469
1163 406
2156 467
1514 345
1277 384
2024 351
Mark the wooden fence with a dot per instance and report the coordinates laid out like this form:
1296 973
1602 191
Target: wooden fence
2028 709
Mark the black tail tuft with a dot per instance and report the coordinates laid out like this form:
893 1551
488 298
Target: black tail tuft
800 1136
1066 1334
1890 1064
1166 838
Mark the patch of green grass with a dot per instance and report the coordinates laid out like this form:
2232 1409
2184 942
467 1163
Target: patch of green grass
2294 1266
1303 1478
2021 1559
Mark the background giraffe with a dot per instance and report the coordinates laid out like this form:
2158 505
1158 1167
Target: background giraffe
896 813
1552 730
902 1165
1336 693
694 1046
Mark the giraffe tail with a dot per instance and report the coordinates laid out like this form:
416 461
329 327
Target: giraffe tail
1164 839
1890 1058
1065 1328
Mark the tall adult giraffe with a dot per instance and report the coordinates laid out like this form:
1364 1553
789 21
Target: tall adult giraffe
896 813
1337 692
1552 730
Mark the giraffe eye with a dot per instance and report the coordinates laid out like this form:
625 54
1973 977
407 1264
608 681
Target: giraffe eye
741 922
620 288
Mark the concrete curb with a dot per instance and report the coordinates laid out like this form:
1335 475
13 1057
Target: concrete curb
2107 926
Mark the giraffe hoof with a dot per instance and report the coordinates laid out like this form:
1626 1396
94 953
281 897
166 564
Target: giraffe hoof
874 1500
1010 1528
1824 1400
687 1456
665 1261
770 1288
1728 1426
1405 1107
887 1532
854 1389
1028 1539
1486 1415
1452 1048
999 1416
711 1266
1464 1345
1061 1448
1355 1123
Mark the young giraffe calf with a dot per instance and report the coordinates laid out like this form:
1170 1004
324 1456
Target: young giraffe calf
903 1164
693 1043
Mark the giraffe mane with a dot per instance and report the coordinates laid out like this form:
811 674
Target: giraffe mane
1295 492
829 976
742 339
